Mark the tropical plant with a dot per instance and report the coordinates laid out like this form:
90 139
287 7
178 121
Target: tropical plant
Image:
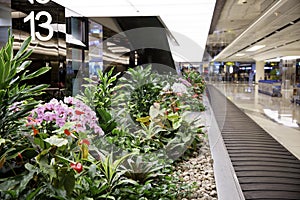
141 170
60 138
136 91
98 96
16 97
157 120
102 178
163 186
112 174
196 80
16 100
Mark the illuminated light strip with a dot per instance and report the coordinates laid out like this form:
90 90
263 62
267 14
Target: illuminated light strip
255 48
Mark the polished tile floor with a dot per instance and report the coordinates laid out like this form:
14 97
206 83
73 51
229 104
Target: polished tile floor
277 115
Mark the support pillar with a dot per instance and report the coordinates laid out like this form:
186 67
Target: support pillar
260 71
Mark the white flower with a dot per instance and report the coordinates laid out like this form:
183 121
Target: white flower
179 88
167 87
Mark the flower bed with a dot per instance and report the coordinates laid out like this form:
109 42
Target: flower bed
126 141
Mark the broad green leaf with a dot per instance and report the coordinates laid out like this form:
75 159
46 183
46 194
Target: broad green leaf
27 54
173 117
133 182
46 168
104 114
6 55
34 193
35 89
68 125
9 48
187 138
15 80
2 141
56 141
177 124
5 72
92 170
143 119
25 180
69 182
23 48
37 73
31 167
24 65
2 68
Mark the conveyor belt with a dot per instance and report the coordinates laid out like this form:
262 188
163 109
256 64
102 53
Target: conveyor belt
264 168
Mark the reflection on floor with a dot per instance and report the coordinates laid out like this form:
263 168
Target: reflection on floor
277 115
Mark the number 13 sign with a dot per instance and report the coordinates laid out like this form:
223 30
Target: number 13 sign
32 17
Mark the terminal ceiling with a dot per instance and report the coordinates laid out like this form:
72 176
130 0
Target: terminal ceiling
188 21
238 25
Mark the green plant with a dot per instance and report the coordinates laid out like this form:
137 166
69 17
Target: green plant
142 98
141 170
163 187
274 74
196 80
98 95
16 97
16 100
112 174
102 178
137 90
61 133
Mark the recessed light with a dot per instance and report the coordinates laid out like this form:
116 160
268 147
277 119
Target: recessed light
240 2
277 13
256 47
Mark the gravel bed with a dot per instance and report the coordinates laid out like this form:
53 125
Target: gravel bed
198 170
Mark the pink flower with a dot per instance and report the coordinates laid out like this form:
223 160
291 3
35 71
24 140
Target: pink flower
68 100
185 82
60 113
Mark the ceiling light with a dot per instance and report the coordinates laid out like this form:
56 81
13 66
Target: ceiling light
290 57
277 13
239 54
240 2
273 60
256 47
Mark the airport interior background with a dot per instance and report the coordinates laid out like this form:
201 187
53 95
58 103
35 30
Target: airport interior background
247 50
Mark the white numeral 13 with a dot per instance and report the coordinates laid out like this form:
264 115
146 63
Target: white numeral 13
46 25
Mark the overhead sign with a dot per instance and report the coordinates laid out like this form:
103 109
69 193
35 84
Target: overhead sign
229 63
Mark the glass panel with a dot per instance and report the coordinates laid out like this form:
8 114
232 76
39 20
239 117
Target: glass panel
5 23
95 49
